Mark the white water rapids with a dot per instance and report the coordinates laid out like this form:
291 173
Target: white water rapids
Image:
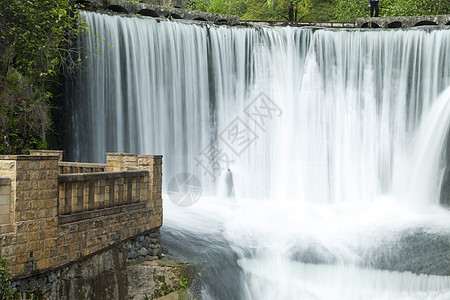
335 139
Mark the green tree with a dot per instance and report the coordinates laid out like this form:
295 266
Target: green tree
200 5
230 7
420 7
349 10
37 36
267 10
35 48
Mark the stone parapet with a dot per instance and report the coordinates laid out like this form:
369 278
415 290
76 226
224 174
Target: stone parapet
54 219
116 162
58 153
153 164
73 167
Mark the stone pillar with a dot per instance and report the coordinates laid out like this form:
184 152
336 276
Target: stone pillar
153 164
116 162
8 239
58 153
34 210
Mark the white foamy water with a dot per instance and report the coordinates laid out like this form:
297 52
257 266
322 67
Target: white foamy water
310 251
335 140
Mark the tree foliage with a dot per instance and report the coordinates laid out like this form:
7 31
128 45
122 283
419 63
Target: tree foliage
6 291
24 114
349 10
35 46
318 10
37 36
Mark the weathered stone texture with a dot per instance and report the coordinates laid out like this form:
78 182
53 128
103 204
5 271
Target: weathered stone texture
58 153
55 219
402 21
117 162
111 274
150 9
5 207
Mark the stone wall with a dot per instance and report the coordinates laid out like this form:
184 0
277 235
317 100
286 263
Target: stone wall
172 3
109 274
144 248
43 234
152 10
121 162
402 22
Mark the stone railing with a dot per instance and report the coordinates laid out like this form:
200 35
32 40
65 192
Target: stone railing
73 168
86 192
70 167
49 220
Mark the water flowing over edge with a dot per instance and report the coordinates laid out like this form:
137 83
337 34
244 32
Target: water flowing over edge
303 118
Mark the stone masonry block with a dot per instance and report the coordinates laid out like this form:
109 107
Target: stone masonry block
4 219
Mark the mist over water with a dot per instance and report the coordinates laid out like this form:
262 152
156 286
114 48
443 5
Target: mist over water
335 140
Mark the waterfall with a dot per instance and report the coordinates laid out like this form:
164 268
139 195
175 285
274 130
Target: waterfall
334 141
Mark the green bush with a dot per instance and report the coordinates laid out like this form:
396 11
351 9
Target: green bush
6 291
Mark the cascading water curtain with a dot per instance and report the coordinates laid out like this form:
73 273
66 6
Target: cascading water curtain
332 139
341 111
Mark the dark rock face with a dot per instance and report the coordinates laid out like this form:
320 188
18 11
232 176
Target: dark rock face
445 187
418 251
